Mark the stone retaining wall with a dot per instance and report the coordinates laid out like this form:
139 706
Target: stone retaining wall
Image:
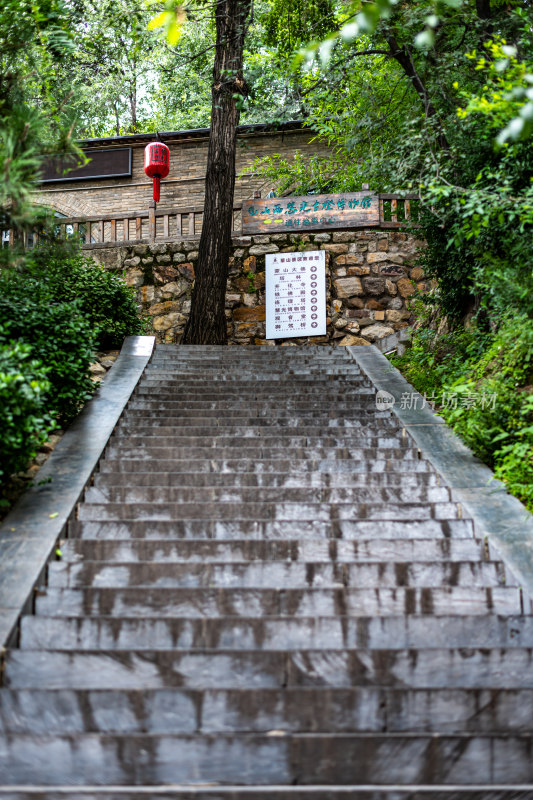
370 278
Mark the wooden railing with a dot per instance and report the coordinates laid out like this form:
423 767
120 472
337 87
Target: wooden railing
170 224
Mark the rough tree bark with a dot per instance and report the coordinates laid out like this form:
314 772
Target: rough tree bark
207 320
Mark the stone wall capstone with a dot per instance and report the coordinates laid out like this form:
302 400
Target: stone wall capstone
370 277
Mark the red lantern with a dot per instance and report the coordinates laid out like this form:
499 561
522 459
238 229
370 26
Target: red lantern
156 164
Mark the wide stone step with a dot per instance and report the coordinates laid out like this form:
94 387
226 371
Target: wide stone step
354 416
223 602
217 463
274 574
219 440
263 451
273 530
427 668
274 633
351 494
318 512
275 792
351 435
284 480
360 405
206 416
168 388
302 710
184 436
260 760
204 551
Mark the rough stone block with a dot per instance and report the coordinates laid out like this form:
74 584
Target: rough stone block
405 287
263 249
374 286
350 341
348 287
334 248
349 259
374 332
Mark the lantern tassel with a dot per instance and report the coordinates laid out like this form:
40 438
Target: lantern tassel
157 188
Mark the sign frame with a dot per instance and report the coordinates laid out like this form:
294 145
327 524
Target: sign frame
310 213
295 294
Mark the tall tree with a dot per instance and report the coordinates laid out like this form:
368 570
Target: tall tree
207 320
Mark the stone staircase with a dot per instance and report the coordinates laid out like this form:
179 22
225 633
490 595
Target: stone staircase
267 593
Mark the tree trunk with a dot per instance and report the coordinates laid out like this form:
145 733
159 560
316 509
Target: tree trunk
207 319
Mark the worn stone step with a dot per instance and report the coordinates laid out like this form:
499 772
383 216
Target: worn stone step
261 760
275 574
186 551
285 480
283 441
217 463
181 386
203 494
275 792
294 710
274 633
360 405
350 435
300 436
427 668
189 381
223 602
351 530
263 451
208 417
362 417
281 511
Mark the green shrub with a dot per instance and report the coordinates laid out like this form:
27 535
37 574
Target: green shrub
104 299
25 422
59 337
489 375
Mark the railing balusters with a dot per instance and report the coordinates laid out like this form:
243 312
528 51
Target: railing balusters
191 223
139 228
407 210
113 232
178 224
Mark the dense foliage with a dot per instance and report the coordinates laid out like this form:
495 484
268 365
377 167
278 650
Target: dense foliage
481 380
59 335
102 297
25 423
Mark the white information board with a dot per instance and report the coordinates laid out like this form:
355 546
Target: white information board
295 294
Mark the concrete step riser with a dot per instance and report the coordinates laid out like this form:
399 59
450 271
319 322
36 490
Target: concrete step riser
261 495
176 711
197 603
248 551
221 441
274 575
348 792
263 451
287 480
324 633
217 463
284 511
404 632
216 669
273 530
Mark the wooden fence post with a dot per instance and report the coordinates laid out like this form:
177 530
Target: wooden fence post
151 221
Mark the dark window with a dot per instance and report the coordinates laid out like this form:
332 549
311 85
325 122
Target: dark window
114 163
